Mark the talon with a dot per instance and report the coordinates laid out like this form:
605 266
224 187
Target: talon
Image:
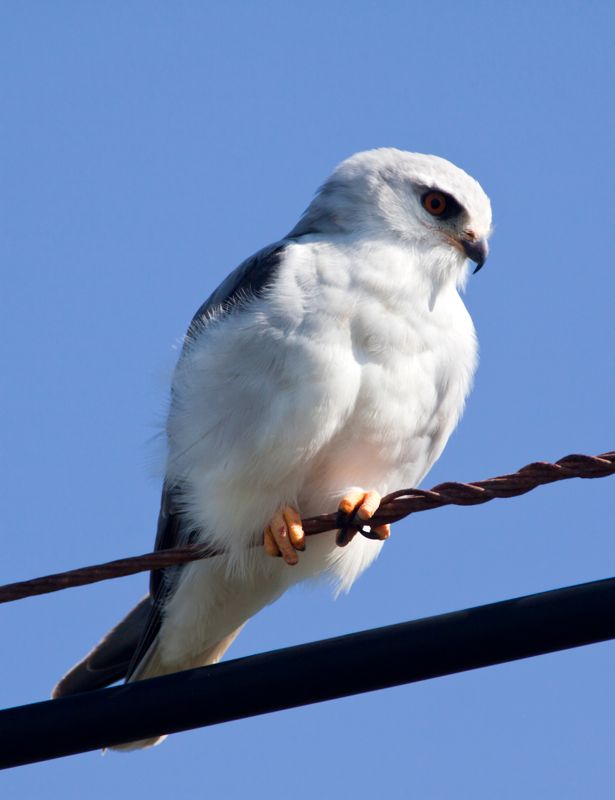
271 547
383 531
351 501
284 535
369 506
358 503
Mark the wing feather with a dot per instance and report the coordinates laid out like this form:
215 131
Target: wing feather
246 282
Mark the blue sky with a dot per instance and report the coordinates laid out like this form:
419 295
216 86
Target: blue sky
147 148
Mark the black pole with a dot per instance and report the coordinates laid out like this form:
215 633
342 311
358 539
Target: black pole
310 673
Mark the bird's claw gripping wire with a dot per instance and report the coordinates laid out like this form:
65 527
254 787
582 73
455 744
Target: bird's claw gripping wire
356 507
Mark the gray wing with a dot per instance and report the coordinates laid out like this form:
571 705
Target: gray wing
118 654
248 281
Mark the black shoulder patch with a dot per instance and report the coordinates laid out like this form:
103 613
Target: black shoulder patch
250 278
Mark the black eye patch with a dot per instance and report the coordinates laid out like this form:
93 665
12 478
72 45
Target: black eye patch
440 204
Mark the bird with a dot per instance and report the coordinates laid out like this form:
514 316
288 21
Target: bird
325 371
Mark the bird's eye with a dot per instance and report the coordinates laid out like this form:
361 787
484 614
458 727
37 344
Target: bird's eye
435 203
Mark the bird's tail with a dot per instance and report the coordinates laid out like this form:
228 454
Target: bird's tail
111 659
152 667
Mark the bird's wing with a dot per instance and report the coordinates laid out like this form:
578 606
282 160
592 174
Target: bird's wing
246 282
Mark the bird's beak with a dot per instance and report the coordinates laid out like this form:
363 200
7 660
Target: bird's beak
477 251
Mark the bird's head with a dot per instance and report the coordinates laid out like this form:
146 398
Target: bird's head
425 201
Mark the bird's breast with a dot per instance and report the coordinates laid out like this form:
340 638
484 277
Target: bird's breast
412 370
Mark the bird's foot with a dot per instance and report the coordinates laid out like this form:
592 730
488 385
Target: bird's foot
284 535
359 505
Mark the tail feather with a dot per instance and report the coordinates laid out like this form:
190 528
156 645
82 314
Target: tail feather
152 667
110 659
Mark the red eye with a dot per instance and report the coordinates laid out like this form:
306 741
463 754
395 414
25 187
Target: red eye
435 203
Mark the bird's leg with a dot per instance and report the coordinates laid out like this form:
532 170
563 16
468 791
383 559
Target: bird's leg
357 504
284 535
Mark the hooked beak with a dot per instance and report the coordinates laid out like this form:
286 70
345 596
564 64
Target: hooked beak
477 251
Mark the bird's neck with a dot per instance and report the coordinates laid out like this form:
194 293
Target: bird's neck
392 269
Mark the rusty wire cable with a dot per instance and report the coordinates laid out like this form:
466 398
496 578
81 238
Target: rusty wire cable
393 507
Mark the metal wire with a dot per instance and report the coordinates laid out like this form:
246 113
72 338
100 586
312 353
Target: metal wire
310 673
393 507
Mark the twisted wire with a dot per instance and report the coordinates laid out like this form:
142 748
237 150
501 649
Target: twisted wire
393 507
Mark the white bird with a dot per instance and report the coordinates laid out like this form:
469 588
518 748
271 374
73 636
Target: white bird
325 371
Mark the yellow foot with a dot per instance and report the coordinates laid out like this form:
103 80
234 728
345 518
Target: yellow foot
284 535
362 505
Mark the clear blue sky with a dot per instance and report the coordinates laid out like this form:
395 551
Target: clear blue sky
146 149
